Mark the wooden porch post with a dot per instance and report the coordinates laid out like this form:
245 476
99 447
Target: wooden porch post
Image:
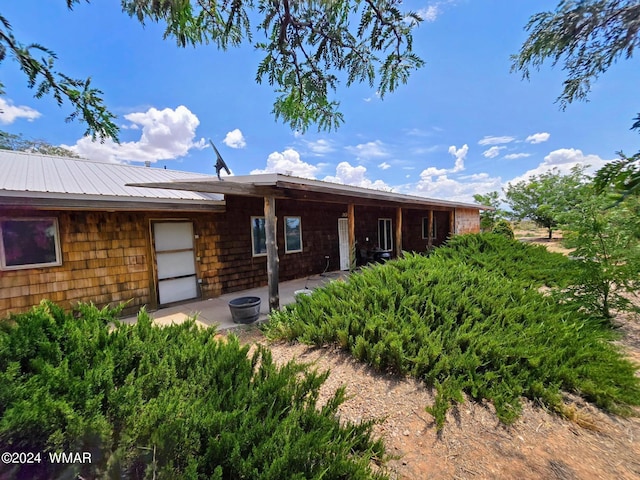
272 252
351 218
398 232
452 222
430 231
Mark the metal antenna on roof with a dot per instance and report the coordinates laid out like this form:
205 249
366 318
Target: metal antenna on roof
219 162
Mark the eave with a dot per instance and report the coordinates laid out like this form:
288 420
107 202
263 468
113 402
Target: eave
63 201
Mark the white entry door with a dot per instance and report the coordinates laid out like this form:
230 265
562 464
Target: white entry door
343 241
175 261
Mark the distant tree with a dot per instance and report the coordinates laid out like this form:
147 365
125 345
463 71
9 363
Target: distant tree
503 227
606 243
488 218
306 45
586 37
542 198
10 141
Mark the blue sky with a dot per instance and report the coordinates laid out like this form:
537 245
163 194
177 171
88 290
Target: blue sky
463 124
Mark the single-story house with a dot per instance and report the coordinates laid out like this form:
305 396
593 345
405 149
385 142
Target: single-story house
76 230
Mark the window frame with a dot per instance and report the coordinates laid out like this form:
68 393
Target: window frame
56 243
425 226
390 231
253 239
286 243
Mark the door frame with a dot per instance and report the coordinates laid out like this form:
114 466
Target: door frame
156 276
343 241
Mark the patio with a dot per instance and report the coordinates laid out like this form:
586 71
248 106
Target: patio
215 311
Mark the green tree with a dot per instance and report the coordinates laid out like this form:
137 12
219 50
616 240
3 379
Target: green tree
10 141
488 218
585 36
503 227
543 198
306 46
622 176
606 247
42 75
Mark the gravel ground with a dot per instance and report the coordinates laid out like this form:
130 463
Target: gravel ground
473 443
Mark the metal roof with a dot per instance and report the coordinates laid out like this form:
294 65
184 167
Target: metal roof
35 176
48 181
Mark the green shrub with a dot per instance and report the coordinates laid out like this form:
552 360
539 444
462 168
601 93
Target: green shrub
503 227
171 402
470 318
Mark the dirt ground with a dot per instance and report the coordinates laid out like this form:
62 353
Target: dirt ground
473 443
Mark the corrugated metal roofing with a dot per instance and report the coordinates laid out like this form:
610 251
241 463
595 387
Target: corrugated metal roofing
22 172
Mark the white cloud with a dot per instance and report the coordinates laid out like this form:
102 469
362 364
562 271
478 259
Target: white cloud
461 190
349 175
433 172
513 156
538 137
489 140
563 160
493 152
432 11
319 147
384 166
368 150
235 139
288 162
10 112
461 155
166 134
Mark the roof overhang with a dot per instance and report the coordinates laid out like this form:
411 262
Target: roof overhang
296 188
65 201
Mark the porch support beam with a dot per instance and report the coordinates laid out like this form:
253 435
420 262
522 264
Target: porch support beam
273 261
398 232
430 230
351 218
452 222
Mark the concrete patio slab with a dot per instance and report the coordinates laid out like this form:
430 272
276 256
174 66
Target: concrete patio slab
215 311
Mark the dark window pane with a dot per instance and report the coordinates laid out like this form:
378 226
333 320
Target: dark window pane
259 236
29 242
293 234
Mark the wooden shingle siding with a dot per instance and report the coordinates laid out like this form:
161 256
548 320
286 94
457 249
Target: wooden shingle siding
467 221
99 264
108 257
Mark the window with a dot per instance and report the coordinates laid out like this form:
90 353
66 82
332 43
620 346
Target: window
425 228
258 236
385 238
292 234
29 243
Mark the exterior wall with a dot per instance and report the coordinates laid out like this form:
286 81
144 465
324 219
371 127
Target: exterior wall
467 220
239 270
104 259
367 224
108 257
412 240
